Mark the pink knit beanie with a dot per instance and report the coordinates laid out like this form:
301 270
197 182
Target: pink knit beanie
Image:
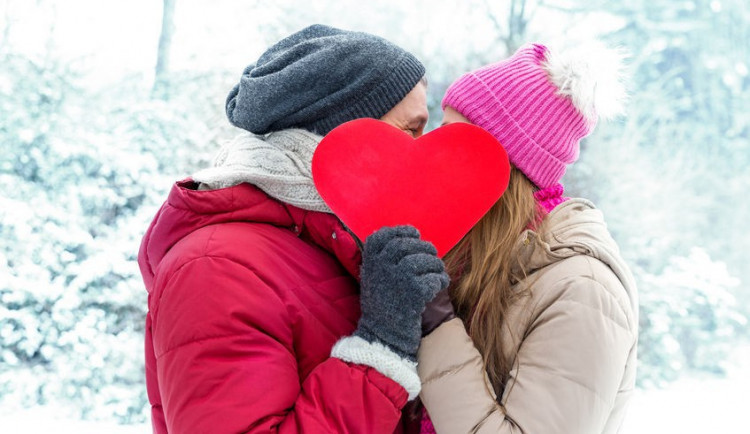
540 105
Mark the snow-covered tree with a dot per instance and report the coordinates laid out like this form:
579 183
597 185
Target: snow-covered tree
82 173
689 318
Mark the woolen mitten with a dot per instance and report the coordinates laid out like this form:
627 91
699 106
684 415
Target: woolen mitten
400 274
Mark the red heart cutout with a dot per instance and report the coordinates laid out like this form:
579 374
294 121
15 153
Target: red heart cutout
372 174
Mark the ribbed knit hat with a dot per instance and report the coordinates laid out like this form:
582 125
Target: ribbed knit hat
539 105
319 78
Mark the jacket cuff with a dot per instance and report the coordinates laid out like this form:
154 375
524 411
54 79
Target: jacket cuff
354 349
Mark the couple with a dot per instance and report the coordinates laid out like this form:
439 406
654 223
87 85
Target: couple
265 315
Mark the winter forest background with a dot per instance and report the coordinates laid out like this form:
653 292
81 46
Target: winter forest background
104 104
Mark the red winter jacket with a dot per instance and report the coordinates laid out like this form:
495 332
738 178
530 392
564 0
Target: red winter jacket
247 295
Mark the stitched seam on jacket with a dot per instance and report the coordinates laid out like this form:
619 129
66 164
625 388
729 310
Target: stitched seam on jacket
571 279
291 290
446 372
624 304
205 256
572 380
180 268
614 298
568 378
204 339
602 314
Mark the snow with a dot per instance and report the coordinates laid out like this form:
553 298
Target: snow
43 420
696 404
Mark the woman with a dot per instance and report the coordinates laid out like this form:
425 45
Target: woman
545 339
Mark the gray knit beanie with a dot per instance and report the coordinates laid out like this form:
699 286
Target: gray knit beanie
319 78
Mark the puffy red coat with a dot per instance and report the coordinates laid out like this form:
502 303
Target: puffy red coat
247 296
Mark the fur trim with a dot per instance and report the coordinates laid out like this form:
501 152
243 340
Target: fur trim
592 76
354 349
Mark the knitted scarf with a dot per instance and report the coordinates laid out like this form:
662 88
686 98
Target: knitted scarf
279 163
548 198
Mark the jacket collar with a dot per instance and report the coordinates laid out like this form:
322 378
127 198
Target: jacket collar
188 209
575 227
326 231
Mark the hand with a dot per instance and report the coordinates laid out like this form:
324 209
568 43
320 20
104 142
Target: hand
438 311
400 274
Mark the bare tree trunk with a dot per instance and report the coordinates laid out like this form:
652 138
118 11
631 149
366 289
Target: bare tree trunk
517 22
6 27
161 77
513 32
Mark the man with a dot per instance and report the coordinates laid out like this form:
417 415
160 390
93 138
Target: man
252 281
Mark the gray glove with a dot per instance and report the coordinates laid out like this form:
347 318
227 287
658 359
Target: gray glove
400 274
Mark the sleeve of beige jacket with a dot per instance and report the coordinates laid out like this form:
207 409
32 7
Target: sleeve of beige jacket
567 374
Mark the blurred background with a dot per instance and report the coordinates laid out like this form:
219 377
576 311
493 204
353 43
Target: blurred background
104 104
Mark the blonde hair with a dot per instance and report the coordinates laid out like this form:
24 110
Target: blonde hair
484 267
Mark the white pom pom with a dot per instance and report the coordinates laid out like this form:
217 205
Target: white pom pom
591 75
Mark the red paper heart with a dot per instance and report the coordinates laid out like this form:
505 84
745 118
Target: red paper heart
372 174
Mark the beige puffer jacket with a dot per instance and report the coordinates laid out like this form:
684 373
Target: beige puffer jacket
571 341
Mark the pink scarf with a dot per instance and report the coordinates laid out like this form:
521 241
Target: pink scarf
426 426
548 198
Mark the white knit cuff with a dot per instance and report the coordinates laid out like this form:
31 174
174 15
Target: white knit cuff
354 349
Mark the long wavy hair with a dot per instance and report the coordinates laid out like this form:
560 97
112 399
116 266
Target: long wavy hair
484 283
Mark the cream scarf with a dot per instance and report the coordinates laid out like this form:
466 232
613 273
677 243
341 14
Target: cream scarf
279 163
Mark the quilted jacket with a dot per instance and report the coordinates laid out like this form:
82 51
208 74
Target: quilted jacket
246 298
